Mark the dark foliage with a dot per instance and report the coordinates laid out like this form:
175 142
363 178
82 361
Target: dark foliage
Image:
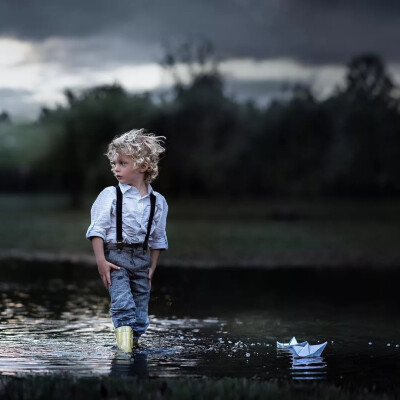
347 144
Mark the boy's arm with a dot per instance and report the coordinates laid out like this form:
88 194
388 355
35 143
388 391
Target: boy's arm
154 255
103 265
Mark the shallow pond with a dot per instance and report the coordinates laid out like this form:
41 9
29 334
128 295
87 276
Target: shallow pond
54 319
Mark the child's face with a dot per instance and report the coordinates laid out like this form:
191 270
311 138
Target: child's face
126 172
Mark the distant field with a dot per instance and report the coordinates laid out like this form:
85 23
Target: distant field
205 232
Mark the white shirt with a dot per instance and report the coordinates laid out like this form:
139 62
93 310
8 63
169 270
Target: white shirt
135 216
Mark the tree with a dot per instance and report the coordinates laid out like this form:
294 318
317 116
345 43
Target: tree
189 61
5 118
365 121
85 126
367 78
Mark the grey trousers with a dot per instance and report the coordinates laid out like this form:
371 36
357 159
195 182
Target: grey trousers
129 290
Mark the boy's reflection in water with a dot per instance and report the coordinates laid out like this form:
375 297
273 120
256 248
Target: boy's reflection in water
130 365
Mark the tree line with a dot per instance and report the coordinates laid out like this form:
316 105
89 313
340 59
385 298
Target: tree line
344 145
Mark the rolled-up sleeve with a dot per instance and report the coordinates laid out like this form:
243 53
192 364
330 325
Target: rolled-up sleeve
100 214
158 240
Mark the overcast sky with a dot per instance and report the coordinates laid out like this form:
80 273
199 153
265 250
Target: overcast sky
48 45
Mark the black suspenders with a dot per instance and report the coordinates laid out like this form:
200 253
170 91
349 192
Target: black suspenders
119 218
120 244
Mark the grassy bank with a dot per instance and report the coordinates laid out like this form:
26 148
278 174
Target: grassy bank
38 388
265 233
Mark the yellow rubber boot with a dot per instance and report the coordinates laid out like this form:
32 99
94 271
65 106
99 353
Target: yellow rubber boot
124 336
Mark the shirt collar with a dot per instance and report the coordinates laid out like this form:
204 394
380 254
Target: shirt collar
124 188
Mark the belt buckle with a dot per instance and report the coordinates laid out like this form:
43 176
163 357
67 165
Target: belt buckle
120 245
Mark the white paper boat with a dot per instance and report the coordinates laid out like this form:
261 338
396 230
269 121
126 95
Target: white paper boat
308 350
293 342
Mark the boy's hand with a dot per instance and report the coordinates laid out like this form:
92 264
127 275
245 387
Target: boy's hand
104 268
154 255
150 276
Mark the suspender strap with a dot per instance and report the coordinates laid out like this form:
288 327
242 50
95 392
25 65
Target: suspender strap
120 244
152 209
119 218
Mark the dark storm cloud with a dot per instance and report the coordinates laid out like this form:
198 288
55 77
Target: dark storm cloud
313 31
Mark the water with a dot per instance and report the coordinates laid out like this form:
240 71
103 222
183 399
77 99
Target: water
54 319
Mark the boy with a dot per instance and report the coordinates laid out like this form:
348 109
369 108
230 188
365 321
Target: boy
126 221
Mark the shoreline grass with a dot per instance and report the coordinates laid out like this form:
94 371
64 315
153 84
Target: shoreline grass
77 388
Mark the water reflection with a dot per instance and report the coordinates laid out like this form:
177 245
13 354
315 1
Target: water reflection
304 368
50 323
130 365
308 368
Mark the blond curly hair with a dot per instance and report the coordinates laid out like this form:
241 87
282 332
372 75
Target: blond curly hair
143 147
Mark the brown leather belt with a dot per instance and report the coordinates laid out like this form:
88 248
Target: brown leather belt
116 246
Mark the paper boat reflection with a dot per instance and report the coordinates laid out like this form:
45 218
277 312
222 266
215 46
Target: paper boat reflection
308 350
308 363
293 342
308 368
